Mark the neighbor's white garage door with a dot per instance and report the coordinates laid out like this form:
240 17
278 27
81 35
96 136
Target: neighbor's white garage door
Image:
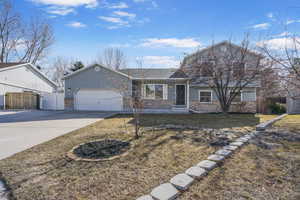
105 100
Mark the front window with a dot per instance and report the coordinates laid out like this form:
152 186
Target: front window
205 96
154 91
237 98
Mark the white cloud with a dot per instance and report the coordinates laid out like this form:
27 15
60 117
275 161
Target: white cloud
60 10
171 42
270 15
115 20
120 5
291 21
261 26
69 3
124 14
279 43
154 4
284 34
76 25
161 61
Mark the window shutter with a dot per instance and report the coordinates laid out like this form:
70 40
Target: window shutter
165 91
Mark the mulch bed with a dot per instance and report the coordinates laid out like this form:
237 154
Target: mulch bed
101 149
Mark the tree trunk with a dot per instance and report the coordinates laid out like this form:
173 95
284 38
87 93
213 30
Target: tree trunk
136 126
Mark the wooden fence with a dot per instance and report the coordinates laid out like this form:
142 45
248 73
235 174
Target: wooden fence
21 100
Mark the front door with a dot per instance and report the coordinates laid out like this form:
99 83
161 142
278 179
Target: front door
180 94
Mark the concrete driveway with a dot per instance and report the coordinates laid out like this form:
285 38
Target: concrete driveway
20 130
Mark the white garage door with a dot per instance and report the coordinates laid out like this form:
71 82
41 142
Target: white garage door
102 100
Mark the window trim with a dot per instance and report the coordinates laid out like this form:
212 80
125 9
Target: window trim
211 96
241 99
154 98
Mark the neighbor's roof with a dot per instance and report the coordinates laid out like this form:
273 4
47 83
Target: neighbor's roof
154 73
5 65
13 65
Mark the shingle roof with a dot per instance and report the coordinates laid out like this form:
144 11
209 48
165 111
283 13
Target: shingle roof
5 65
154 73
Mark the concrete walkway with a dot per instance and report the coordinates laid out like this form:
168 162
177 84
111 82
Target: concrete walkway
20 130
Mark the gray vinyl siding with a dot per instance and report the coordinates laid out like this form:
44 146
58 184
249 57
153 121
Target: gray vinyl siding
104 79
248 95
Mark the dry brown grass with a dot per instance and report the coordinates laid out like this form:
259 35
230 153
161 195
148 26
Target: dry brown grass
256 172
44 171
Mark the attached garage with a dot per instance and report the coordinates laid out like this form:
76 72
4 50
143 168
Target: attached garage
98 100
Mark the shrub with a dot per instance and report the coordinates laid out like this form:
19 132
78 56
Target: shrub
277 108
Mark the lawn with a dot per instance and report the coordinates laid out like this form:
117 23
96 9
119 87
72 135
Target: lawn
45 172
258 171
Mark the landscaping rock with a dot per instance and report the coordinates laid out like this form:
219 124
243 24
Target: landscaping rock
216 158
230 148
207 164
221 141
165 191
145 197
182 181
223 152
242 139
236 144
196 172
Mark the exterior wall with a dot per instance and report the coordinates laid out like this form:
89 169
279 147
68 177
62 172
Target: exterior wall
293 105
293 100
168 103
25 77
22 79
248 104
92 79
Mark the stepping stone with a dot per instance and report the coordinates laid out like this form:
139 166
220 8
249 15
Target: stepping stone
236 144
145 197
207 164
242 139
223 152
182 181
216 158
230 148
165 191
196 172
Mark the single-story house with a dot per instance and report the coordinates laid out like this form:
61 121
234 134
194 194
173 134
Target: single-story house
164 90
23 77
293 97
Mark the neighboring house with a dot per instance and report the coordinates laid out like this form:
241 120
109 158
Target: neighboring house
22 77
293 97
164 90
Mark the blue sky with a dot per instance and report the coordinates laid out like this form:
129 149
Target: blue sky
160 31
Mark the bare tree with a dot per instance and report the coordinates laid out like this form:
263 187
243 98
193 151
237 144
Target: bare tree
113 58
227 70
22 42
287 60
61 67
132 95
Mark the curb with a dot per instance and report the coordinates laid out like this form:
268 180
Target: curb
265 125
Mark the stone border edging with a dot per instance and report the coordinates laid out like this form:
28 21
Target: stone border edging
181 182
263 126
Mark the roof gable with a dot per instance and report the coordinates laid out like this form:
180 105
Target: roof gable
11 66
218 46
